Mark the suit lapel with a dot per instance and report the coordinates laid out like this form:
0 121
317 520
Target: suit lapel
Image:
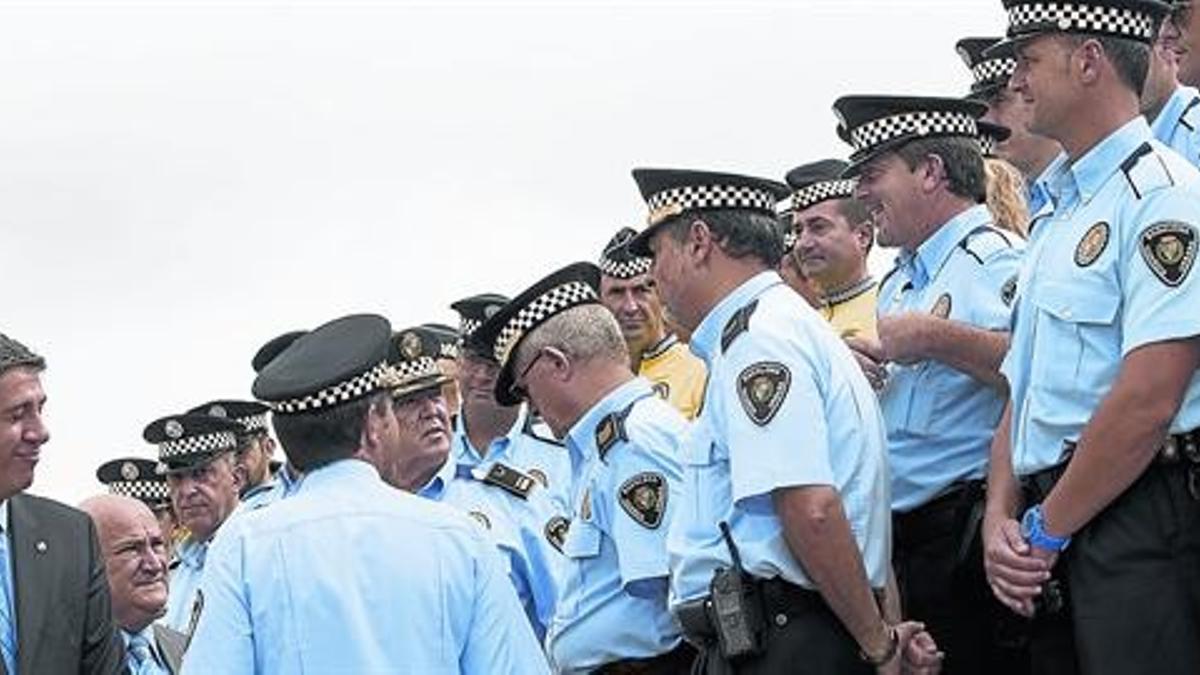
29 576
171 645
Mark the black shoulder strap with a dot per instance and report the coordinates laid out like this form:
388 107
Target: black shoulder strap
611 429
512 480
738 323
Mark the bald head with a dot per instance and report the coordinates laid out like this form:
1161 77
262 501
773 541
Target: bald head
135 558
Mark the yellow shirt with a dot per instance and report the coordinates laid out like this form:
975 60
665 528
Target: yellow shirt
676 374
852 312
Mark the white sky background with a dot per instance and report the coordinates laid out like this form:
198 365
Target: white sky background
181 181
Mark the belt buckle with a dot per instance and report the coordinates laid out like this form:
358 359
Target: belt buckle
1170 450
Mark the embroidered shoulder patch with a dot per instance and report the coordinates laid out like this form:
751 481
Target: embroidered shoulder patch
941 308
662 389
556 532
1169 249
644 498
1008 292
762 388
513 481
1093 243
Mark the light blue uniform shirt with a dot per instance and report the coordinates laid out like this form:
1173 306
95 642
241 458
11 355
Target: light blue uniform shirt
825 430
520 448
940 421
1178 124
521 527
351 576
1089 295
184 580
1039 194
280 486
613 603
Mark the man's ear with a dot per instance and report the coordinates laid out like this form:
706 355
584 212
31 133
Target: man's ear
699 241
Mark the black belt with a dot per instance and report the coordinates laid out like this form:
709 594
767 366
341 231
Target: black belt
1176 449
678 660
780 599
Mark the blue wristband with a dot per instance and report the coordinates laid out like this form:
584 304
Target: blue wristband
1033 528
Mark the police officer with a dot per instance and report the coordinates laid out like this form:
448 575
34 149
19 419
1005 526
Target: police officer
656 353
561 350
833 238
944 312
197 452
991 63
510 504
349 575
1102 364
485 430
285 476
1172 108
140 479
255 448
780 555
447 362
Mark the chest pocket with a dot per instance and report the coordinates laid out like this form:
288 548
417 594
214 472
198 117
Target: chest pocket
583 540
1076 331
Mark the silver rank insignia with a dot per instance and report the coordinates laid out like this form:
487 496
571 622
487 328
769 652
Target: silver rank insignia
941 308
644 498
762 388
1008 292
1169 248
1093 243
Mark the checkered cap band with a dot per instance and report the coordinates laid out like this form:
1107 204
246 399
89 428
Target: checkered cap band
143 490
253 422
624 270
448 350
1071 17
819 192
674 201
987 145
543 307
993 71
871 134
196 445
377 378
417 369
468 326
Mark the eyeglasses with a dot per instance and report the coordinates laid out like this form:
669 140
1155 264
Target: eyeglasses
517 388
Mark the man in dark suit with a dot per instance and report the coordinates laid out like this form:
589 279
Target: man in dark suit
55 613
135 558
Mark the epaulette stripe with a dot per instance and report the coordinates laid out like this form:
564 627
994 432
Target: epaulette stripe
1132 161
510 479
1183 117
738 323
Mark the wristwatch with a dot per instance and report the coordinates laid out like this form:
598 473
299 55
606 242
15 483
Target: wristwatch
1033 528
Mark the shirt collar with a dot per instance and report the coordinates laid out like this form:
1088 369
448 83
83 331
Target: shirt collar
661 348
706 339
465 453
436 487
581 438
1089 173
1173 111
925 263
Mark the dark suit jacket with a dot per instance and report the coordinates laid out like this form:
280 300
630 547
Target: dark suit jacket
64 614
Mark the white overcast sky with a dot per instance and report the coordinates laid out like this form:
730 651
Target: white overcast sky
180 181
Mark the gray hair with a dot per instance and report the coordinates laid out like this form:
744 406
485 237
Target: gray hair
13 354
582 333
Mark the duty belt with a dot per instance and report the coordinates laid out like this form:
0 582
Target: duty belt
1176 449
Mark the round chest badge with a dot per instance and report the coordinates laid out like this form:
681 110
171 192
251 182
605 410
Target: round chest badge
1093 243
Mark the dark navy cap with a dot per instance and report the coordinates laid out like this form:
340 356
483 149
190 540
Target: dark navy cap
189 441
873 125
136 477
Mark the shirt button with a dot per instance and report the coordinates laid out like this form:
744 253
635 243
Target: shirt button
781 620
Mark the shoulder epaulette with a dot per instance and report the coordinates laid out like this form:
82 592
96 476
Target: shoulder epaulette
512 480
982 252
612 428
173 564
1188 113
738 323
1145 171
884 280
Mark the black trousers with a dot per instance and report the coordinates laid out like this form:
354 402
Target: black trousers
803 637
1132 583
938 557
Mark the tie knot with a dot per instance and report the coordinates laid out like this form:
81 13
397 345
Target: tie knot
139 647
